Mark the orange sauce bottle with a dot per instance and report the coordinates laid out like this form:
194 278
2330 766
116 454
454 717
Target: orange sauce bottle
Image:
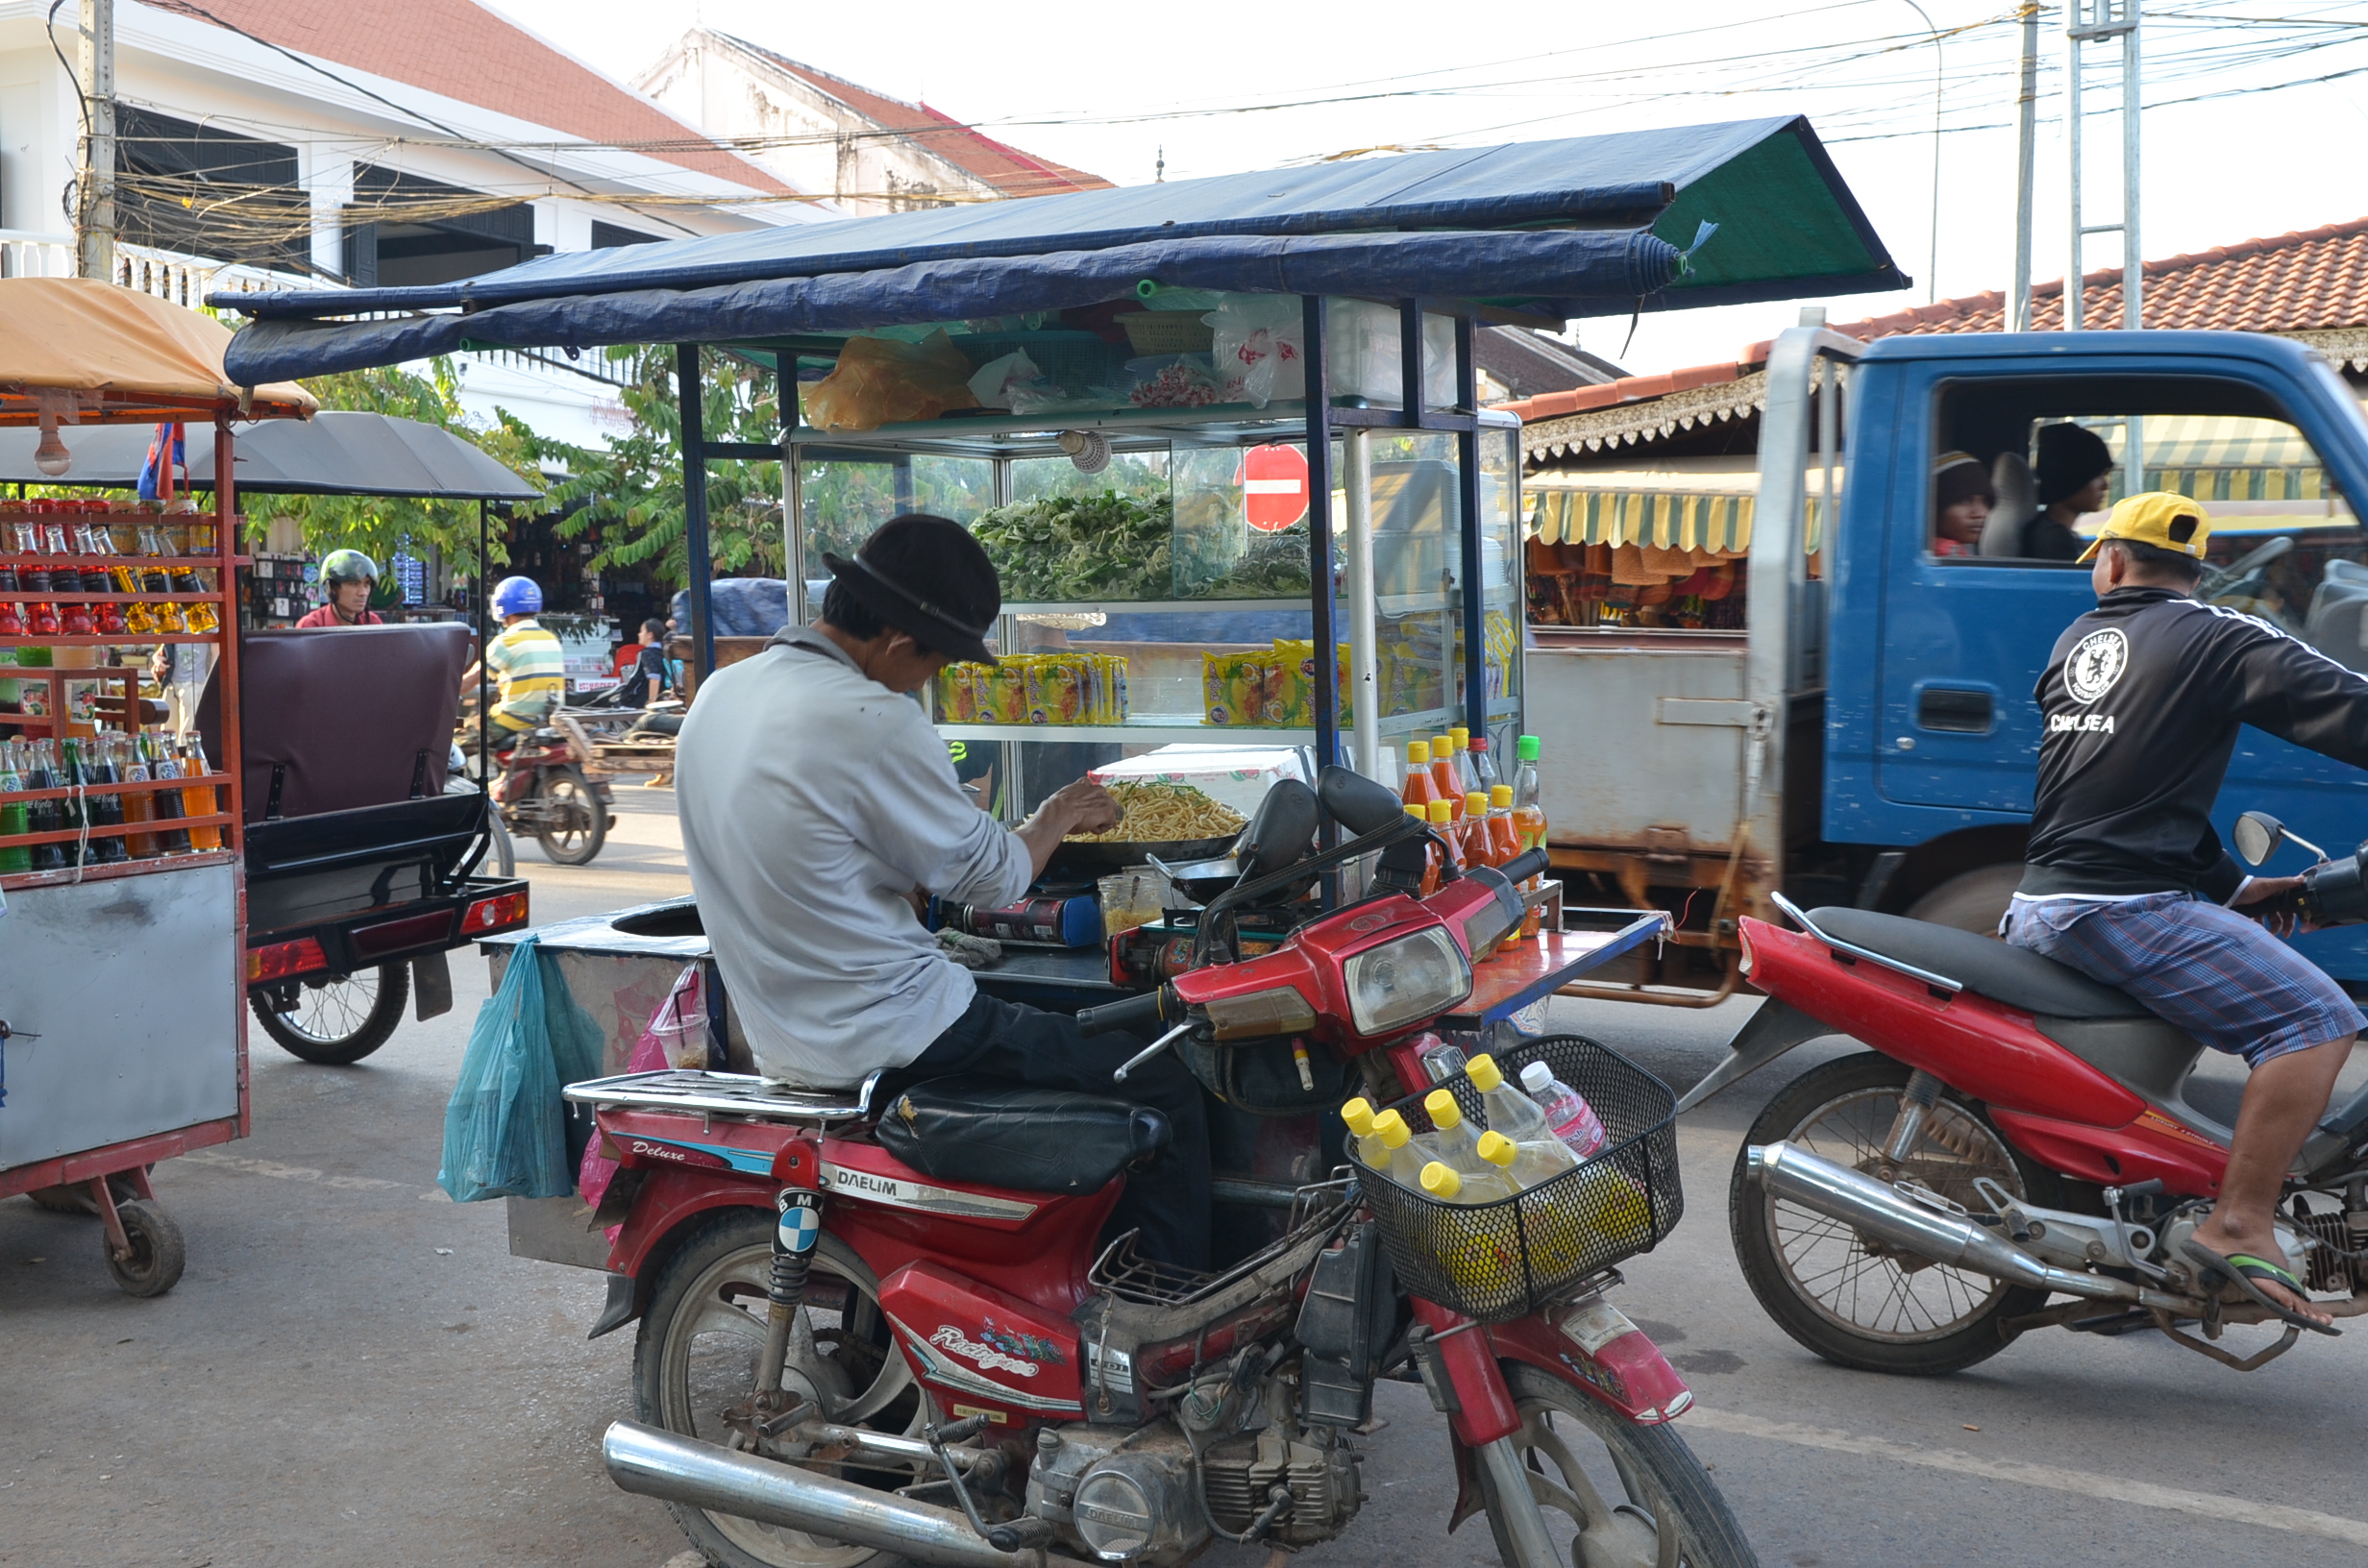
1420 789
1442 776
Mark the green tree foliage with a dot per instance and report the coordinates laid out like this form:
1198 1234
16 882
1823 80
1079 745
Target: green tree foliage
627 501
378 526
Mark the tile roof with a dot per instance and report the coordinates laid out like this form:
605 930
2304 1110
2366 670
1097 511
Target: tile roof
2314 280
465 52
1007 168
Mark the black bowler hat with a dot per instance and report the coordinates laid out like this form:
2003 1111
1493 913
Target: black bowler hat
928 578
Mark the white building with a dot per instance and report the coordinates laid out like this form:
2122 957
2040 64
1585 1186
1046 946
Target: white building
309 143
821 133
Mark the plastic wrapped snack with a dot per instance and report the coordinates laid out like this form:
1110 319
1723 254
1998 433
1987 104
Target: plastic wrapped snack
1056 688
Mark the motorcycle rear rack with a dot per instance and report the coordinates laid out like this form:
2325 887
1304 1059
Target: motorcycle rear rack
725 1094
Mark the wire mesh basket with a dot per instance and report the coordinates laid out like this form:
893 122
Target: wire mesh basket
1499 1261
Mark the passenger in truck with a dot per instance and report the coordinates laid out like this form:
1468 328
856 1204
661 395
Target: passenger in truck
2074 468
1962 502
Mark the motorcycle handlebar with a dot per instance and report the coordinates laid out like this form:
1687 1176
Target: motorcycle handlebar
1137 1015
1527 864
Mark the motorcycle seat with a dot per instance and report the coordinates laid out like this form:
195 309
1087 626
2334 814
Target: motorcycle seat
1002 1134
1984 966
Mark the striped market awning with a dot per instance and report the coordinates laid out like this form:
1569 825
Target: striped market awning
1681 520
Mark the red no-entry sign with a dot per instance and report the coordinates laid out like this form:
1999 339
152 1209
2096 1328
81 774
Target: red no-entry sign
1274 487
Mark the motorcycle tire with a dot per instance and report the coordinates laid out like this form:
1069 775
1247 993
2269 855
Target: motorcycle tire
1939 1319
697 1353
571 820
1634 1497
338 1023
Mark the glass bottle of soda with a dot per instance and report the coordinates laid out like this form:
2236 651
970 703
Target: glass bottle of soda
161 765
139 805
14 818
41 772
106 808
198 799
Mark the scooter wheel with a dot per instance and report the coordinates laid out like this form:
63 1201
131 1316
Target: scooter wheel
159 1254
1869 1308
571 820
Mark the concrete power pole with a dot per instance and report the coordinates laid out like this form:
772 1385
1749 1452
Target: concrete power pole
2026 146
94 228
2098 21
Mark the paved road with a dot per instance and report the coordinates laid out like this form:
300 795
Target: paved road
356 1374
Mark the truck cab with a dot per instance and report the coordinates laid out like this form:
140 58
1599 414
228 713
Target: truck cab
1869 737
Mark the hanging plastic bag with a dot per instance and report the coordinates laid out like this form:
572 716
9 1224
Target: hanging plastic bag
505 1129
676 1037
1261 347
879 380
998 379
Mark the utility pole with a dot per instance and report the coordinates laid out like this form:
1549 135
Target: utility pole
94 226
2026 145
2096 21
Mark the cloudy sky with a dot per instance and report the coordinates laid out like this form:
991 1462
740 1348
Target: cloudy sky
2255 122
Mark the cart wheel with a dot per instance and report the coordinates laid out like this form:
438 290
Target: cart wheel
338 1023
158 1252
572 820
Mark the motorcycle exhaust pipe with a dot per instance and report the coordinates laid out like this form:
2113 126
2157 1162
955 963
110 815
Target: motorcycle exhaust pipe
675 1469
1873 1208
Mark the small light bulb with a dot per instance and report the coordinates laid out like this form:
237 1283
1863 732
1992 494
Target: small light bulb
51 456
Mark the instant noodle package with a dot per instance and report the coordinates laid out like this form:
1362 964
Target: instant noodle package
1035 689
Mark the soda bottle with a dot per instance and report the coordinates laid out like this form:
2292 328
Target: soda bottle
198 799
1444 776
1529 819
74 811
11 620
1442 824
103 810
1483 765
168 805
13 820
1571 1118
41 772
1420 790
139 805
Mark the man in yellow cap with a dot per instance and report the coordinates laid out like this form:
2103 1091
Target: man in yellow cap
2126 881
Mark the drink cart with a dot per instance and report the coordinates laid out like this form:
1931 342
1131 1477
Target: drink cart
122 983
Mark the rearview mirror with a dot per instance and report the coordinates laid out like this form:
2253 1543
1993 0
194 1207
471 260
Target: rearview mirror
1282 831
2257 836
1356 802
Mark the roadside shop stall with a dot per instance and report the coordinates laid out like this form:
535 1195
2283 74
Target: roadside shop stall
122 1016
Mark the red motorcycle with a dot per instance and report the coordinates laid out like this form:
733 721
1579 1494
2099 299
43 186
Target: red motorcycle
549 784
871 1332
2018 1133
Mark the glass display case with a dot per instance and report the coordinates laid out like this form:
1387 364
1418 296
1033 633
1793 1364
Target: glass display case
1156 566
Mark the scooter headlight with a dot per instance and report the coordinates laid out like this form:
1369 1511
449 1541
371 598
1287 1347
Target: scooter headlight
1405 980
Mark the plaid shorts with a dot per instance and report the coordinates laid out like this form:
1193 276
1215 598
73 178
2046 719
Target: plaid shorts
2214 972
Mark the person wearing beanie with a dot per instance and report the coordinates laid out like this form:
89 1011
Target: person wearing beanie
1962 502
2074 468
818 806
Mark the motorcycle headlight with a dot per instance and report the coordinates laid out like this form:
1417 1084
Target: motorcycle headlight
1403 982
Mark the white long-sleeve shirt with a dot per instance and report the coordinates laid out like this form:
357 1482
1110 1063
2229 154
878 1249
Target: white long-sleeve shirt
812 799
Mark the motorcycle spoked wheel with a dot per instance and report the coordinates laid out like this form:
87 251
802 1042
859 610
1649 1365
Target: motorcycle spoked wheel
1818 1278
697 1354
1614 1494
339 1021
570 820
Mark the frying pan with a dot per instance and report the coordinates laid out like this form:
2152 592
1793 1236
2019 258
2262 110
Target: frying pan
1073 859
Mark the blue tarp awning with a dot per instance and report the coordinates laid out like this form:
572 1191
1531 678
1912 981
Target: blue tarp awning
1588 225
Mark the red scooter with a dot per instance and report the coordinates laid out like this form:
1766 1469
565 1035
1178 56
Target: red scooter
879 1330
2018 1133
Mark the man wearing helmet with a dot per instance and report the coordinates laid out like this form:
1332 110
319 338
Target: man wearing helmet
526 662
350 576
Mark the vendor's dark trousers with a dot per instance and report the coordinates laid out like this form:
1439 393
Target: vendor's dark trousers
1167 1202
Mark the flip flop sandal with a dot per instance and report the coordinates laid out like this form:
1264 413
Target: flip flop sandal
2242 1268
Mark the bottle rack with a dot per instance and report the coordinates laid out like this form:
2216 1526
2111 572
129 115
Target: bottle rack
121 707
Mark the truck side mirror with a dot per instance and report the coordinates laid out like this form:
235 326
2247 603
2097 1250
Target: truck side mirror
2257 836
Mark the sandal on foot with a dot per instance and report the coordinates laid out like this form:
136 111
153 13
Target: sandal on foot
2241 1269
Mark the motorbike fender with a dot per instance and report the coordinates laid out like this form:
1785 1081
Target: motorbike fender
1773 1028
669 1199
1463 1354
1593 1346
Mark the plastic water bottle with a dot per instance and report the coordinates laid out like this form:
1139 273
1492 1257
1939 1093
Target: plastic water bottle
1458 1145
1401 1157
1538 1154
1451 1185
1572 1119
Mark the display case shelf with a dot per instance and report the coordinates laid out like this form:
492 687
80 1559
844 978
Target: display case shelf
14 881
128 639
1156 606
1169 729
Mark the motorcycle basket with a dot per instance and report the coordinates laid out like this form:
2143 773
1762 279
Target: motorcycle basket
1497 1261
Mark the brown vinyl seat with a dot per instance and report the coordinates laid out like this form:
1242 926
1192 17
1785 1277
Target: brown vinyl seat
342 717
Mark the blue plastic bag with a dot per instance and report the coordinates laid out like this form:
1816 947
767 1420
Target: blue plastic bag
505 1130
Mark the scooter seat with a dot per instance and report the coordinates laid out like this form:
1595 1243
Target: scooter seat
1984 966
1002 1134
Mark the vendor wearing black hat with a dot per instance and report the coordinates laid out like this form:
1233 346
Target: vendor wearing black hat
815 798
2074 469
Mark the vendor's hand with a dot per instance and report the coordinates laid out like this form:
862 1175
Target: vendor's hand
2262 889
1083 807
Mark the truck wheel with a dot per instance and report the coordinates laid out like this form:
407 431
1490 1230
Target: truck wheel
1974 900
571 820
1819 1279
697 1356
159 1254
337 1023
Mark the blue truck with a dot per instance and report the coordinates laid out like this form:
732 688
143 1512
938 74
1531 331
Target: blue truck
1869 738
